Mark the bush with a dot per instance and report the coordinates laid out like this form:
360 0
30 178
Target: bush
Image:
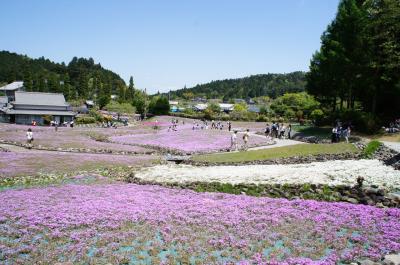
96 115
46 119
85 120
371 148
262 118
317 115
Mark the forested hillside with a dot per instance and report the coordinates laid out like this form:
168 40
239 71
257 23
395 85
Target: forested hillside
81 78
272 85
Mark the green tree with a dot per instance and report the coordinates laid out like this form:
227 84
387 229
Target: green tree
131 90
159 105
295 102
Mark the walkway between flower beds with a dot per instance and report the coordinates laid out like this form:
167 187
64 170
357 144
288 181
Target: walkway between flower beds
278 143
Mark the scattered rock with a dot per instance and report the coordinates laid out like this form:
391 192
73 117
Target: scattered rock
392 259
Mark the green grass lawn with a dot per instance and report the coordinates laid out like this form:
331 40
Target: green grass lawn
324 132
278 152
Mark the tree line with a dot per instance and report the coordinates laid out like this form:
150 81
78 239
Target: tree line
272 85
357 67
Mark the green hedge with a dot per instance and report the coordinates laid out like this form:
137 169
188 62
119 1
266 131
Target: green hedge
85 120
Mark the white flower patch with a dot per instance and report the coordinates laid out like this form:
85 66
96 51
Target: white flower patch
338 172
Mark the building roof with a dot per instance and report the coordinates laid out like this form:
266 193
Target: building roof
13 86
200 106
41 112
254 108
226 106
39 98
89 102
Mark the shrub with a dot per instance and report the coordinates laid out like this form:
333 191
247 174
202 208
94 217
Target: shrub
96 115
371 148
262 118
46 119
85 120
317 115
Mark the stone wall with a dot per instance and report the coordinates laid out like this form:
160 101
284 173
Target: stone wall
358 194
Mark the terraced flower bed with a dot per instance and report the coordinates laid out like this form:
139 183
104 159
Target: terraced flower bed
69 138
13 164
332 173
187 140
131 224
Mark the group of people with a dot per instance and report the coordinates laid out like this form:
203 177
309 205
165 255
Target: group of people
234 140
339 131
276 130
394 127
109 124
174 125
200 125
218 125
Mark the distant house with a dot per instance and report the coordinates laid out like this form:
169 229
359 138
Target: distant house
25 107
10 89
173 103
89 104
3 102
225 107
199 99
253 108
239 100
200 107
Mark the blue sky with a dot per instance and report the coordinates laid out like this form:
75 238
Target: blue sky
166 44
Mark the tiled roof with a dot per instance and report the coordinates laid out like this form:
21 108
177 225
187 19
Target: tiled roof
39 98
13 86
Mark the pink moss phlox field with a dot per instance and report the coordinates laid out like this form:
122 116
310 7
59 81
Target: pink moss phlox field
128 223
187 140
32 162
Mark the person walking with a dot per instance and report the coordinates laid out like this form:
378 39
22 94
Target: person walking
268 133
229 126
333 137
282 132
347 134
29 138
289 131
234 141
246 140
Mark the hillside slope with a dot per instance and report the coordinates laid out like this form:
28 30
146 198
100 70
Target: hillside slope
272 85
81 78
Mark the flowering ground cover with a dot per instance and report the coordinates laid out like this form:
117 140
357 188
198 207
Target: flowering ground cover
186 139
70 137
131 224
31 162
332 173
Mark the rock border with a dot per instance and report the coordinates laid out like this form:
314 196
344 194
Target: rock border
357 194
